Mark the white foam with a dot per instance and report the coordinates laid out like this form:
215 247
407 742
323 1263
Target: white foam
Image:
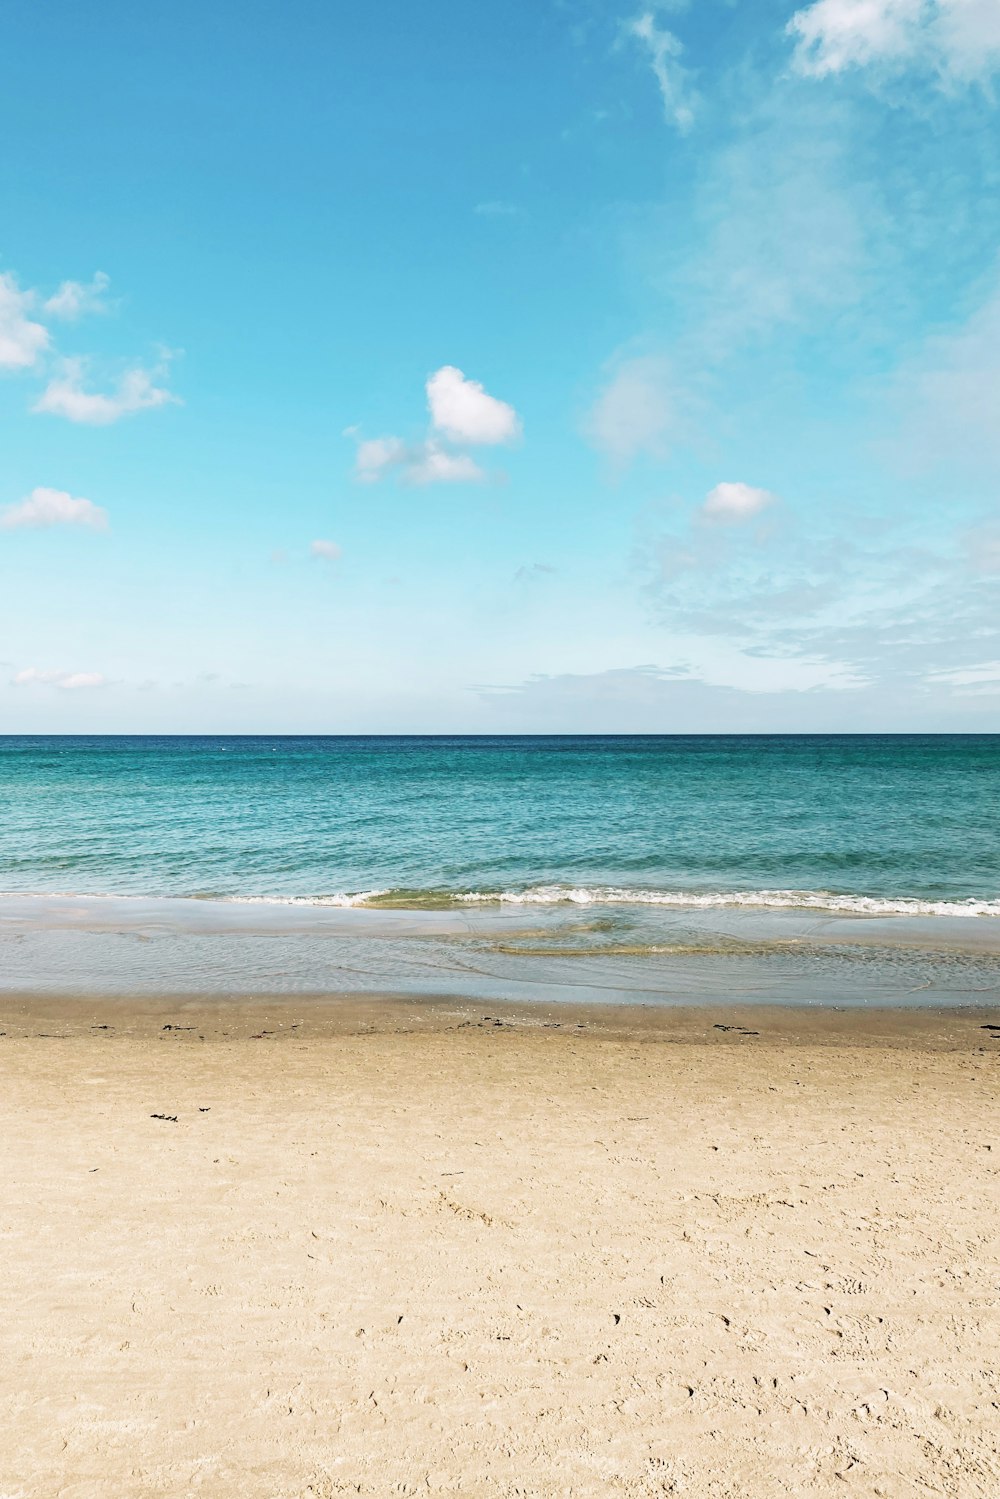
342 902
597 895
797 900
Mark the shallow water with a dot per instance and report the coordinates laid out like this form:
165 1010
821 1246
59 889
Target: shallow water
130 945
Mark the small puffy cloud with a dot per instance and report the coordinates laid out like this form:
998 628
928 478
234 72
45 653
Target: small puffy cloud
426 462
959 39
327 551
75 299
432 464
736 502
375 456
663 50
21 340
67 681
53 507
463 414
463 411
66 396
635 413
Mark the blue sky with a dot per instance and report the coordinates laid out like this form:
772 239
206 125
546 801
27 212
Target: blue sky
548 367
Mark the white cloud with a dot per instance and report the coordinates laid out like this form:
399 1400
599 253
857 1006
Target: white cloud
663 50
21 340
328 551
74 299
432 464
375 456
418 463
982 547
53 507
958 39
969 676
67 681
946 395
532 571
464 412
635 413
136 391
736 502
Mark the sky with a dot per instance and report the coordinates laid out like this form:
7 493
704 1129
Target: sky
561 366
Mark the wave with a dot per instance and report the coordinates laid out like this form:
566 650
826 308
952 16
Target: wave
342 902
618 895
796 900
551 895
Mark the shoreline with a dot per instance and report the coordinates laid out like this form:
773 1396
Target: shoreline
316 1017
798 910
497 955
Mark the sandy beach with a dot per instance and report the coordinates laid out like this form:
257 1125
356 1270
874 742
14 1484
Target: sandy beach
296 1249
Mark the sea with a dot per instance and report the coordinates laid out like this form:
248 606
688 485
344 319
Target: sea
813 869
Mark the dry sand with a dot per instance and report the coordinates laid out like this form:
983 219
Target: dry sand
404 1250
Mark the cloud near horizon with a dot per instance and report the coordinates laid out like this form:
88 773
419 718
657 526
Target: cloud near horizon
66 681
53 507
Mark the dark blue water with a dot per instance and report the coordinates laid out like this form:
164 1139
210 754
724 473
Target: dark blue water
858 823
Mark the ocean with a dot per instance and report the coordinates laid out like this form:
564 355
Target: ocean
858 867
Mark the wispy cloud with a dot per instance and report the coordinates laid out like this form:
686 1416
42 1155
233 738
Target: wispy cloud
663 51
326 551
136 390
959 40
637 412
786 228
22 341
67 681
654 699
76 299
496 208
730 502
531 572
53 507
882 606
945 396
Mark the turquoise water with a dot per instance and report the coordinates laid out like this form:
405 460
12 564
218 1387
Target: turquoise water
827 870
864 822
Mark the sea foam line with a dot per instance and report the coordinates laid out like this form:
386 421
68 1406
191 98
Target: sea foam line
798 900
549 895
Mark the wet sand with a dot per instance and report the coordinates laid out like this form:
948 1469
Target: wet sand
291 1247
